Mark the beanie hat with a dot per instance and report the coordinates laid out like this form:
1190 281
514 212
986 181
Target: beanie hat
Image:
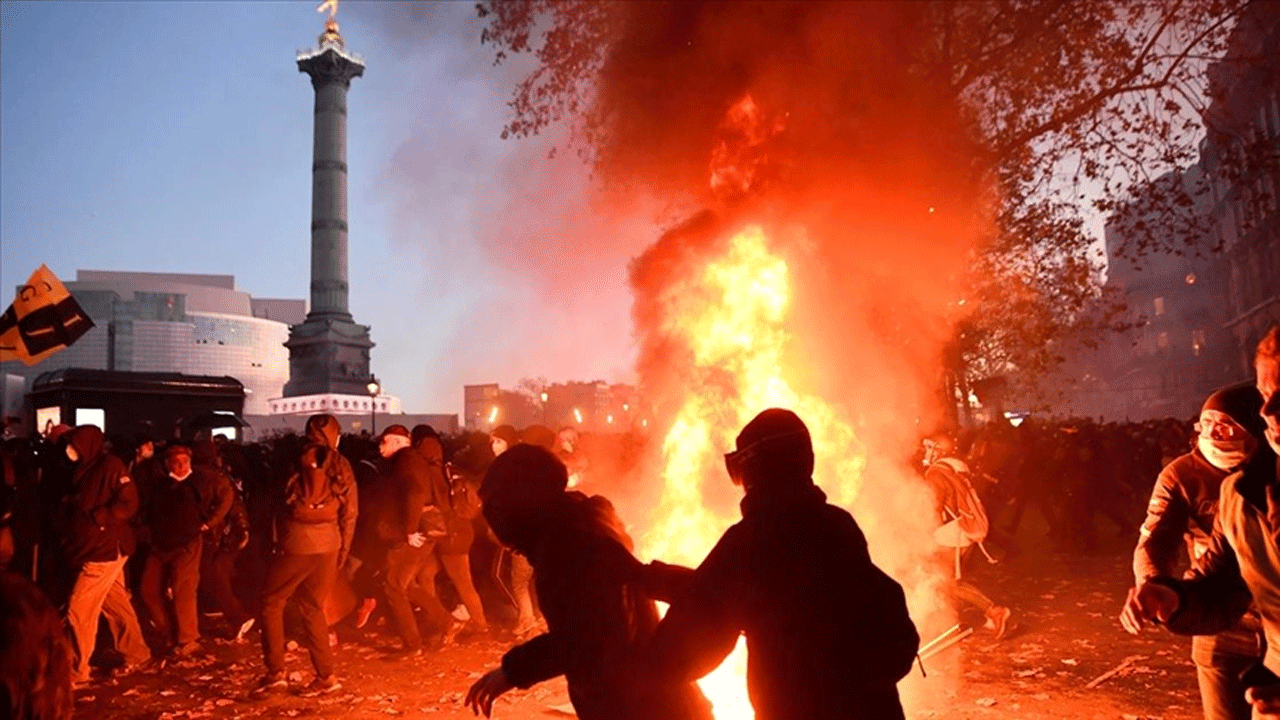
539 435
777 446
507 434
1242 403
400 430
421 432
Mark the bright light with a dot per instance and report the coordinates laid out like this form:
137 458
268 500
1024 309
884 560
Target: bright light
544 397
493 415
577 415
373 387
609 419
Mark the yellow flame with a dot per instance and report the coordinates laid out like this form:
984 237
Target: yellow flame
731 318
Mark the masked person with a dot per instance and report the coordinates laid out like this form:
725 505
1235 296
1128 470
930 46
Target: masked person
1240 565
98 541
828 634
314 527
1181 513
593 597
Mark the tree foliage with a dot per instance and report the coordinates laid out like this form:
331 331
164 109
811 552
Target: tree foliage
1045 110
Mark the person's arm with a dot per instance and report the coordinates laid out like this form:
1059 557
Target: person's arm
702 626
223 495
121 497
348 508
664 582
1215 597
1161 534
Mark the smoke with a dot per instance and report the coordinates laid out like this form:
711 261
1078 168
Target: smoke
812 122
523 266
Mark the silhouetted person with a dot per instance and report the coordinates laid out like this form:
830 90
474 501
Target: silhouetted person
35 657
828 634
590 587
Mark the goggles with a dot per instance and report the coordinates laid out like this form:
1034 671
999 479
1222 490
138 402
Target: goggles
1219 429
736 462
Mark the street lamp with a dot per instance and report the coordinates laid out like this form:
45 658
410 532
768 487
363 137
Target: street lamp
544 407
373 387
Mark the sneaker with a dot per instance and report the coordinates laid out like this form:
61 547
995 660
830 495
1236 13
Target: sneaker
402 654
366 609
451 633
245 627
186 649
999 618
271 682
321 686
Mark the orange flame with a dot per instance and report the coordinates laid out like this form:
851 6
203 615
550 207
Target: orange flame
731 317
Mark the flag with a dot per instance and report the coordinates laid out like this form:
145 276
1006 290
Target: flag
43 319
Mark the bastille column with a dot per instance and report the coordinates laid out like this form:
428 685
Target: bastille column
329 352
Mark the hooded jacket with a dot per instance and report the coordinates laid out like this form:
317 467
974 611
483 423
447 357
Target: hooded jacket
102 501
297 538
598 617
828 633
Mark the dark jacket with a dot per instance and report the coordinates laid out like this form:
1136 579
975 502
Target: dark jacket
103 499
828 634
180 507
405 489
598 619
297 538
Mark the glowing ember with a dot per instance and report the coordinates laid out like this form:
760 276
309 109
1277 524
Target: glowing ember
731 320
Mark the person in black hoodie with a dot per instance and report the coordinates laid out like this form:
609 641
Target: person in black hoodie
596 597
97 542
828 634
314 527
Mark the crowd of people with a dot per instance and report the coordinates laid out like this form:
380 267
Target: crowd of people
489 535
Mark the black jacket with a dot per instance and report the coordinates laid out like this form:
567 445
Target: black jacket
598 619
102 501
828 634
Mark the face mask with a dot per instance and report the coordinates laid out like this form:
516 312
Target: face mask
1226 454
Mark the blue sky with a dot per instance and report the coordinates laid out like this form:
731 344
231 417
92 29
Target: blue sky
176 137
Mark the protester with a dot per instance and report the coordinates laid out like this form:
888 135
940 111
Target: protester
598 617
454 551
962 526
415 524
828 634
315 526
35 657
1242 559
1181 513
97 542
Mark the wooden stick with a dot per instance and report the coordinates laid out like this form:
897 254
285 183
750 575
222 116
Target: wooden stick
1114 671
950 641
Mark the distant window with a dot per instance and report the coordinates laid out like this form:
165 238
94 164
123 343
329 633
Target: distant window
1159 307
1162 340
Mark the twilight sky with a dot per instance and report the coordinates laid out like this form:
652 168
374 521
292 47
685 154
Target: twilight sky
176 137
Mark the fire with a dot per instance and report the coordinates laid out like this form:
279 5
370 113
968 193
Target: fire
731 319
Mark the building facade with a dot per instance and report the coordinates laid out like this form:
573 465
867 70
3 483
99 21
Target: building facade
178 323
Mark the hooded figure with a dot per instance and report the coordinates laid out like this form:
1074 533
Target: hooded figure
315 525
828 634
98 542
592 594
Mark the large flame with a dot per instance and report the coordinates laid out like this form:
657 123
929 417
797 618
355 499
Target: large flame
731 318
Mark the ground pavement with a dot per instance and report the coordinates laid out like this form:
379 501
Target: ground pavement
1066 608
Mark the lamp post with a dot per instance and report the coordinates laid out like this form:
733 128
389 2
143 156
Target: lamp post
373 387
544 407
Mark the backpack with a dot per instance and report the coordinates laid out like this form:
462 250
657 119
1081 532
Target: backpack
967 519
309 496
463 498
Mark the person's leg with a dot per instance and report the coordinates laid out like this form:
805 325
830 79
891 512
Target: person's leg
92 584
402 567
185 569
153 600
284 575
458 568
220 582
1218 675
314 589
117 607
